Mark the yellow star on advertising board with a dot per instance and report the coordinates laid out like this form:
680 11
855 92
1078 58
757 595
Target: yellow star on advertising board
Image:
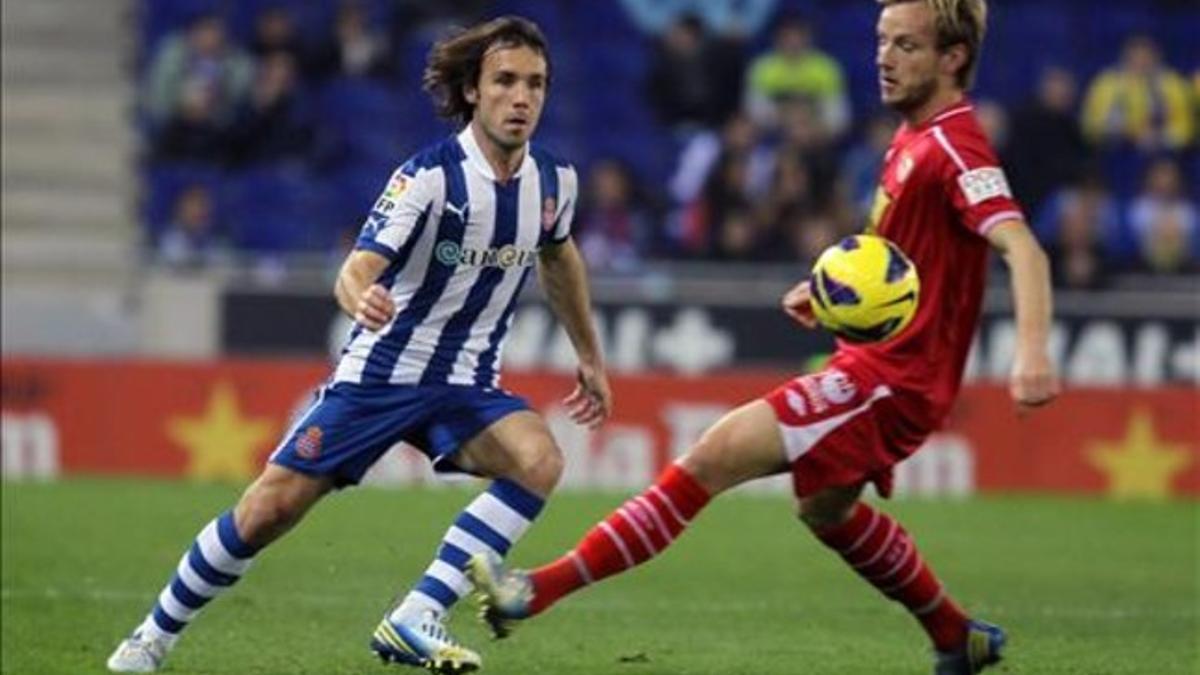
1139 465
221 443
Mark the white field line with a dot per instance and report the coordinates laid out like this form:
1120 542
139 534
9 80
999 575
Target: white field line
586 605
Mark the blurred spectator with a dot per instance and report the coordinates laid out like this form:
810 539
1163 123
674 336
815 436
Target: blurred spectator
356 50
615 227
190 239
737 237
1078 228
724 193
194 133
693 75
1163 222
425 21
802 136
727 18
860 170
738 137
993 119
796 69
275 124
791 194
197 63
1046 147
275 31
1140 100
810 234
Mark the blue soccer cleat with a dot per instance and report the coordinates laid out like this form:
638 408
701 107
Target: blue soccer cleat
504 595
424 642
985 642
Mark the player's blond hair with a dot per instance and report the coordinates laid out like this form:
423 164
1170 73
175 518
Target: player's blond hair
957 22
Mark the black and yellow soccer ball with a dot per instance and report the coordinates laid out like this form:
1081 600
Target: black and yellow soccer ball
864 289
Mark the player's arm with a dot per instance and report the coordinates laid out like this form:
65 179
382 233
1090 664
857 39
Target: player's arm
359 294
1033 381
564 279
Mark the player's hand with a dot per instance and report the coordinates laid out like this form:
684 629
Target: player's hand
797 303
375 308
1034 382
591 402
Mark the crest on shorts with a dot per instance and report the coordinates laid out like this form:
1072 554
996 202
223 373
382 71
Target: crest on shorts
549 207
837 387
308 444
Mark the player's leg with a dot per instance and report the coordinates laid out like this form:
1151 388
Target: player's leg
526 463
489 434
742 446
217 559
881 551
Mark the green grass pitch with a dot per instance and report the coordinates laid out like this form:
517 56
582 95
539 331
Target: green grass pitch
1083 586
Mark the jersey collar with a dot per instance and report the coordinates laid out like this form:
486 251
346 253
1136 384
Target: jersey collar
475 157
955 109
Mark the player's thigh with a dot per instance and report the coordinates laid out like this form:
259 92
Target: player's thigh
743 445
518 446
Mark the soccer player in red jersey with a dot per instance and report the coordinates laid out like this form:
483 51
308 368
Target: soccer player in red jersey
944 200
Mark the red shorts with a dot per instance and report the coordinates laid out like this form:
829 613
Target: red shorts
844 426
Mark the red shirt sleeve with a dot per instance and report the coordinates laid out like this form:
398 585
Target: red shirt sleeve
975 182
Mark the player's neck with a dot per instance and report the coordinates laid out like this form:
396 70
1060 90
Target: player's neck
505 163
937 103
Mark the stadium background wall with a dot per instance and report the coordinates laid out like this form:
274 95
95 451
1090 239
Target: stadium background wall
219 420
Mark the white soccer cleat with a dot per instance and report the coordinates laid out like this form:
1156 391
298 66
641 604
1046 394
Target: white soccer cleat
139 654
423 641
504 595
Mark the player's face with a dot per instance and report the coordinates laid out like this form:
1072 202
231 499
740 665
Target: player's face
510 95
907 56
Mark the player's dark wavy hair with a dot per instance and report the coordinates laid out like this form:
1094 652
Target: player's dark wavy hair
457 60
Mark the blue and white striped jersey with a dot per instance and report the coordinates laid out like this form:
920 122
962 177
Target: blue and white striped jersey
461 246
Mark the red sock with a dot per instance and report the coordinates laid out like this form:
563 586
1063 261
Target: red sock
883 554
640 529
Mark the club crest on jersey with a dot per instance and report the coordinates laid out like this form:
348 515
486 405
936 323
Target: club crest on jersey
549 207
308 444
837 387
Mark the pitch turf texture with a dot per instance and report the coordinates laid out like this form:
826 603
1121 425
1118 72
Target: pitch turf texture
1083 586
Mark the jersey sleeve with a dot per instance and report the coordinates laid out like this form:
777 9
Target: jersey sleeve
975 183
405 200
568 195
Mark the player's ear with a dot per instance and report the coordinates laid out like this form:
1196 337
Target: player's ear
471 94
953 58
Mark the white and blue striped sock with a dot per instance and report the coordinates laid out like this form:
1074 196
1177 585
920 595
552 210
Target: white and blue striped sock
493 522
217 559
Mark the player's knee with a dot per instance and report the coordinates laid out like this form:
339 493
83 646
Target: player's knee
709 464
818 513
541 467
263 514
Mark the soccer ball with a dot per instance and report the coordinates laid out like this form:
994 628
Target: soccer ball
864 289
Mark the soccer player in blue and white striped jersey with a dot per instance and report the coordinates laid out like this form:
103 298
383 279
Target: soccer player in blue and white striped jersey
432 286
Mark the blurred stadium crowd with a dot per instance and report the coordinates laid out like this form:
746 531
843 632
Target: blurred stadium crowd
744 131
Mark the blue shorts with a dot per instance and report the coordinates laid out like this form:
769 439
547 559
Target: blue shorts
349 426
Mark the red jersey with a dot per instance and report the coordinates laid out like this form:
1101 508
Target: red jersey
940 192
